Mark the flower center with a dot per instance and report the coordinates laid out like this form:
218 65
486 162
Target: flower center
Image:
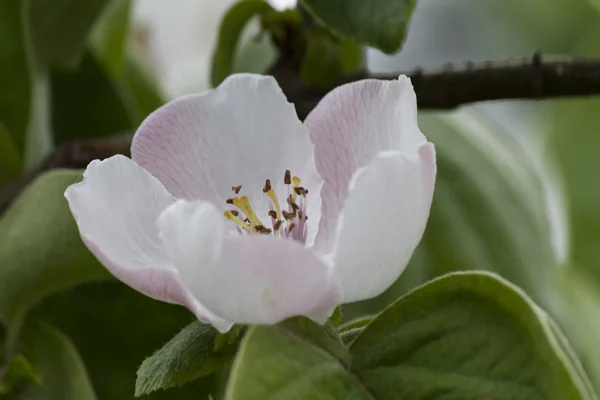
284 223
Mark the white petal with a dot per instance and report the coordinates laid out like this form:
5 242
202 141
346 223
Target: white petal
116 207
246 279
349 127
382 222
241 133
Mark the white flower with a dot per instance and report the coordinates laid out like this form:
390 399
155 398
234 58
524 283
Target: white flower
235 209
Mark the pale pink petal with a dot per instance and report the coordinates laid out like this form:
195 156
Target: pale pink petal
241 133
116 206
246 279
382 221
349 127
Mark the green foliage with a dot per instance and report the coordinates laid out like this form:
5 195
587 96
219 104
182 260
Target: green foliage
62 373
322 63
40 248
276 363
10 159
109 35
324 337
467 335
377 23
337 317
60 29
230 32
189 355
463 336
18 371
15 77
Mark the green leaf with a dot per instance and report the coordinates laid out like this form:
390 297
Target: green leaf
488 210
337 317
15 71
63 375
88 103
18 371
230 31
322 64
60 29
275 363
377 23
10 159
467 336
189 355
110 33
40 248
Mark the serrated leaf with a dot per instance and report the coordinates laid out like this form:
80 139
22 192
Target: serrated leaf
40 248
377 23
188 356
230 31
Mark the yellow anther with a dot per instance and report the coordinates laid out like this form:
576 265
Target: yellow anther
232 217
295 184
244 205
273 197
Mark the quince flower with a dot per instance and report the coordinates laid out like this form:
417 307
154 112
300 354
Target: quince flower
233 208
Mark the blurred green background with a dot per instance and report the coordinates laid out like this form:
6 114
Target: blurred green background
518 188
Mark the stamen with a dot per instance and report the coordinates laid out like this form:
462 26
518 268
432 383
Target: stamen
273 197
287 177
277 225
295 184
229 201
236 189
244 205
230 216
272 214
292 203
262 229
267 186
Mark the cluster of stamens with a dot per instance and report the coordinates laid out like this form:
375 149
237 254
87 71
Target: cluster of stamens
284 223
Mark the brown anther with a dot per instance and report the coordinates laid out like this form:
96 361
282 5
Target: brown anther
229 201
272 214
236 189
267 186
287 178
289 215
292 204
300 215
234 213
291 226
277 225
262 229
246 220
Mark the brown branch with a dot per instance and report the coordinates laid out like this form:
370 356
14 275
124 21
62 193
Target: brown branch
448 88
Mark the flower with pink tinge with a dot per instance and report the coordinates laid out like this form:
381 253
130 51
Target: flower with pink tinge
235 209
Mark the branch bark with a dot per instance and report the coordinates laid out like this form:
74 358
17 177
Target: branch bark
448 88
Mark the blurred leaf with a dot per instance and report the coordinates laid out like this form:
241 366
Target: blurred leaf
18 371
40 248
39 141
353 56
15 70
189 355
140 90
322 63
466 336
337 317
255 55
87 103
377 23
109 35
10 159
275 363
230 31
63 375
115 328
60 29
489 210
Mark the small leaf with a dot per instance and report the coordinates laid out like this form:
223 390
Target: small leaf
230 31
189 355
63 375
378 23
60 29
18 371
337 317
276 363
40 248
467 335
228 338
110 33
